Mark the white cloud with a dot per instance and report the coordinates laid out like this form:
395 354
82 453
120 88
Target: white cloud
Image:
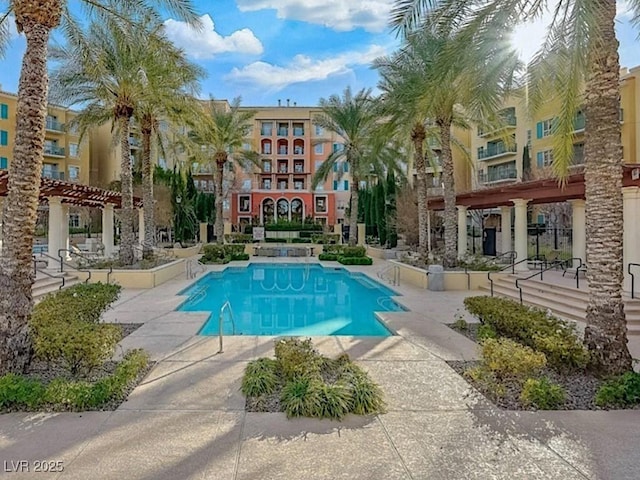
302 68
206 43
341 15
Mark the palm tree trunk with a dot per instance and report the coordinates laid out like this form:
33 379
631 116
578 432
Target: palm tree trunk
418 136
147 193
353 213
221 159
127 235
450 214
606 332
21 204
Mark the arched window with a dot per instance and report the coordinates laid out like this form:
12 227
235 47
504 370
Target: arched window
267 211
297 210
283 209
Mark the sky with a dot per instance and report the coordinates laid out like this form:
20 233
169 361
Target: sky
301 50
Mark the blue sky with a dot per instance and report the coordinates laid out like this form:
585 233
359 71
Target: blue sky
302 50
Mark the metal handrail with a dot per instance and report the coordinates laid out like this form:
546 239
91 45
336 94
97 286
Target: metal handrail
396 274
226 304
191 268
512 266
548 267
512 255
633 279
36 270
77 269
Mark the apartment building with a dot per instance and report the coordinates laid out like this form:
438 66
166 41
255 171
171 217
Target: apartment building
65 156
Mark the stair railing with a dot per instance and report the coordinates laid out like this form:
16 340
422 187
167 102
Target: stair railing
633 278
512 266
512 256
44 272
395 281
77 269
549 266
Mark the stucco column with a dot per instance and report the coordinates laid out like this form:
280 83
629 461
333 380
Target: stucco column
203 233
337 230
579 230
631 239
64 231
462 230
141 226
107 229
362 233
56 241
227 230
521 233
505 226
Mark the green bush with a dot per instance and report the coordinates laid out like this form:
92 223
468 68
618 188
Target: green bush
326 239
85 302
533 327
359 251
509 359
214 253
486 331
240 257
355 260
333 249
300 240
366 396
287 226
542 394
334 400
238 238
296 357
487 381
260 377
300 398
623 391
460 324
328 257
233 249
20 393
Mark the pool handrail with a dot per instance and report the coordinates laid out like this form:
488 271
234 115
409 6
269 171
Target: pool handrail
226 304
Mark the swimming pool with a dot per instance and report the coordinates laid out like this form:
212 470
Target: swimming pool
291 299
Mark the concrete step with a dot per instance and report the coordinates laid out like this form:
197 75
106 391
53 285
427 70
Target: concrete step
45 284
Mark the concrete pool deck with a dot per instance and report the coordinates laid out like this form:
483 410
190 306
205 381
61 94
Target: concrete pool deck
186 420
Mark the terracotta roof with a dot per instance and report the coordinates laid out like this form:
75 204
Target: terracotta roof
72 193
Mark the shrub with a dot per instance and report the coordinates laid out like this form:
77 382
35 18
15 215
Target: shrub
355 260
84 302
214 253
487 381
533 327
260 377
233 249
486 331
508 359
542 394
333 249
623 391
296 357
334 401
292 226
326 239
460 324
359 251
328 257
300 398
238 238
366 396
240 257
19 392
300 240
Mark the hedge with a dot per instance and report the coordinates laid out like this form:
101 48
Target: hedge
344 260
214 253
329 257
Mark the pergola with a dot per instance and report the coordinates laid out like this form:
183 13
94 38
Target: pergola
536 192
59 195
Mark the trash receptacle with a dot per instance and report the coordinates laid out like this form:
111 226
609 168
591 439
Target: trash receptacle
436 278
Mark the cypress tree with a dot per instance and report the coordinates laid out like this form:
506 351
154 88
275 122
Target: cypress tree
391 210
381 214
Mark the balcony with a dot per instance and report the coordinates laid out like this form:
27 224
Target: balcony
509 121
53 174
53 151
501 175
54 125
495 150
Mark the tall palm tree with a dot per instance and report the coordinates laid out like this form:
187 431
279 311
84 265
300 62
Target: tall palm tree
36 19
170 82
218 137
583 48
356 119
424 84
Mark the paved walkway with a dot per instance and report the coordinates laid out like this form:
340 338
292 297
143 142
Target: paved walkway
187 420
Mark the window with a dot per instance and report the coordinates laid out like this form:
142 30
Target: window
341 205
319 130
163 126
74 220
345 166
545 158
298 184
338 147
162 162
541 218
244 204
545 128
266 129
4 163
266 167
74 173
246 184
321 204
318 149
317 165
346 185
73 150
266 184
4 111
4 137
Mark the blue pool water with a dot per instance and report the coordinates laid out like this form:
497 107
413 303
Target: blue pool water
287 299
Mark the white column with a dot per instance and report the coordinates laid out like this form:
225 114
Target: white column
631 239
64 231
362 233
56 218
505 226
107 229
141 226
521 232
462 230
579 230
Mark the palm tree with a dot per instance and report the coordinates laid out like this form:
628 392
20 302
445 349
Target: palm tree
170 81
36 20
583 49
422 84
218 136
356 120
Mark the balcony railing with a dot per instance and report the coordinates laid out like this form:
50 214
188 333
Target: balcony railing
496 150
53 151
54 125
497 175
53 174
507 121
